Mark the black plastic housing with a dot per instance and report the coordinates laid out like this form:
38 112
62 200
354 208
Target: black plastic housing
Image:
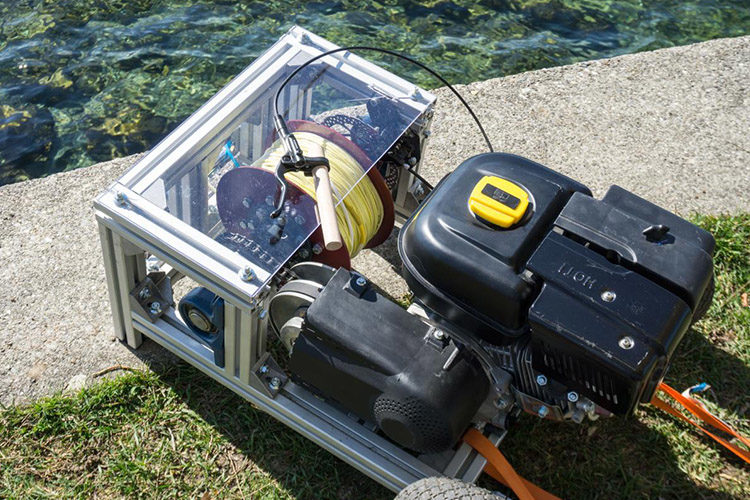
579 334
387 366
471 273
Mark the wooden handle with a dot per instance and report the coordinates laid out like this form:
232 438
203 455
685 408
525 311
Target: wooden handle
326 208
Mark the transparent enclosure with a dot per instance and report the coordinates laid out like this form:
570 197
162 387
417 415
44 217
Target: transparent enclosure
215 172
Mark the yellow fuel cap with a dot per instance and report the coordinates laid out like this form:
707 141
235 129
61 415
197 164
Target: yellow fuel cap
498 201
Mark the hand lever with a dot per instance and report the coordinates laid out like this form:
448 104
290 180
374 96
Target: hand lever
314 164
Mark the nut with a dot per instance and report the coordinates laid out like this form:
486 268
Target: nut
543 411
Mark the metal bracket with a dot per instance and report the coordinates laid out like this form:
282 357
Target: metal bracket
267 376
152 296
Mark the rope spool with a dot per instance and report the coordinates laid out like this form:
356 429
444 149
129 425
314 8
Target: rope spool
359 208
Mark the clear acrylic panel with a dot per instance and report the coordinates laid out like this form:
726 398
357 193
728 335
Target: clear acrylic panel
222 182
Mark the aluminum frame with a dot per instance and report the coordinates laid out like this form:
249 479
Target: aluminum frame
131 229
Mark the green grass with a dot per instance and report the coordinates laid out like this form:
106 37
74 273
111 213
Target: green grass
178 434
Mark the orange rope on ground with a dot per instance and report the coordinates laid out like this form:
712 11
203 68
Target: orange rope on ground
698 410
500 469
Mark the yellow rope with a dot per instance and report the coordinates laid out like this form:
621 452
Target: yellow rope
361 213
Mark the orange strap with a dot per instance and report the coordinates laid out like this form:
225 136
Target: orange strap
697 409
500 469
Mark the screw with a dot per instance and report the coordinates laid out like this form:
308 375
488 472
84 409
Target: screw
626 343
543 411
541 380
361 281
121 198
317 249
144 293
263 369
608 296
155 308
275 383
572 396
246 273
439 334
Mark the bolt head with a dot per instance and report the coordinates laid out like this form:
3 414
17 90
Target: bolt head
155 308
543 411
361 281
541 380
144 293
246 273
572 396
608 296
317 249
275 383
263 369
438 334
121 198
626 342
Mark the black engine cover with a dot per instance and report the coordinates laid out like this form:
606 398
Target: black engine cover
467 272
604 288
387 366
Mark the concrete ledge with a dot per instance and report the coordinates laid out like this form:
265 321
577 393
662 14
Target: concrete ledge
671 125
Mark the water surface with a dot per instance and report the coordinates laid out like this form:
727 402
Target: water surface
83 81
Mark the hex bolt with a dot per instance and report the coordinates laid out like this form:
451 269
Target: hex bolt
572 396
155 308
263 369
608 296
275 383
144 293
246 273
543 411
541 380
439 334
361 281
626 342
317 249
121 198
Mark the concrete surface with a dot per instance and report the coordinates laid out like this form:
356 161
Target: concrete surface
671 125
